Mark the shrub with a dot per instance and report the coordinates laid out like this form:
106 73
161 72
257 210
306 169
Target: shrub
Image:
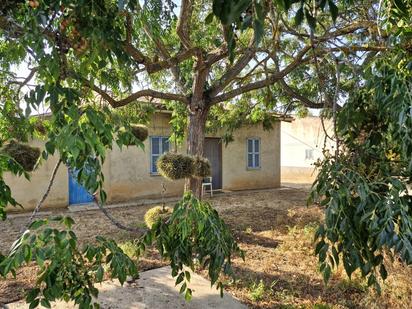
257 291
25 155
156 213
201 167
175 166
195 235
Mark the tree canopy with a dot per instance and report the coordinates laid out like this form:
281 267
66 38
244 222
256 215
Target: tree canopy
245 57
97 66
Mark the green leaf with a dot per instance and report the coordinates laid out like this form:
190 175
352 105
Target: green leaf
37 224
310 19
68 222
32 295
326 274
299 16
187 275
188 295
383 272
99 273
334 11
209 18
183 288
180 278
34 303
45 303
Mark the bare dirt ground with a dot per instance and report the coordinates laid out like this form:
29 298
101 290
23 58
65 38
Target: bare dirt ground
275 228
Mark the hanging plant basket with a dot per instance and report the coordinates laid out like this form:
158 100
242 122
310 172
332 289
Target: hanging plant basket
156 213
140 131
175 166
201 167
25 155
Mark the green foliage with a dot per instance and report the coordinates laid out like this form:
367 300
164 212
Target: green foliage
66 272
201 167
155 214
24 155
257 291
194 235
240 15
364 188
175 166
6 198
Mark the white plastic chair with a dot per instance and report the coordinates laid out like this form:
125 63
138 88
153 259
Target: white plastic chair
207 182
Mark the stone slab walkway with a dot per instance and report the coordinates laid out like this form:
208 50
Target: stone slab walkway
154 290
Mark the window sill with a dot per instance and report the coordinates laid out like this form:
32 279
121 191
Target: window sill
253 168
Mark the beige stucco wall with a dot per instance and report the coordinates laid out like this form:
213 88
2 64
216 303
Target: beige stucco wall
133 180
296 137
28 193
236 176
127 170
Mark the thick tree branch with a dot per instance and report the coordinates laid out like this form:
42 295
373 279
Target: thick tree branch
272 79
139 94
294 94
201 73
183 26
216 55
172 61
164 53
234 71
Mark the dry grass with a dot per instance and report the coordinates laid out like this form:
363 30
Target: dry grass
275 228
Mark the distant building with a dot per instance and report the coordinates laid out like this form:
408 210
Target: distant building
302 141
251 161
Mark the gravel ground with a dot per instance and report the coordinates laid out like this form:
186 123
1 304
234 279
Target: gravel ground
275 228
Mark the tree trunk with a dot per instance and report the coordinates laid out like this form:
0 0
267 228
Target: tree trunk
195 145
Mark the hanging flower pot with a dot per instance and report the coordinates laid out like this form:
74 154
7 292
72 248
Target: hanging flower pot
139 131
201 167
156 213
175 166
25 155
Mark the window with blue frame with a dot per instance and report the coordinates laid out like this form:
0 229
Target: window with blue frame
158 146
253 153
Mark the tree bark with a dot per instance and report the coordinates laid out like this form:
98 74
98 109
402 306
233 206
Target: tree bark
196 143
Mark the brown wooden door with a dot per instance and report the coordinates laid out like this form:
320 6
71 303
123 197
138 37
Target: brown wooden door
213 152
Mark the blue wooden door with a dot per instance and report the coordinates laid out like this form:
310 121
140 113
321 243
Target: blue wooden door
77 193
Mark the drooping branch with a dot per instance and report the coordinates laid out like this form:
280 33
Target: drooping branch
117 223
45 195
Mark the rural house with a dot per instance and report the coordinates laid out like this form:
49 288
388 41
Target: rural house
302 142
251 161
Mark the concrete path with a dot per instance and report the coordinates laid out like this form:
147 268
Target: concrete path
154 290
